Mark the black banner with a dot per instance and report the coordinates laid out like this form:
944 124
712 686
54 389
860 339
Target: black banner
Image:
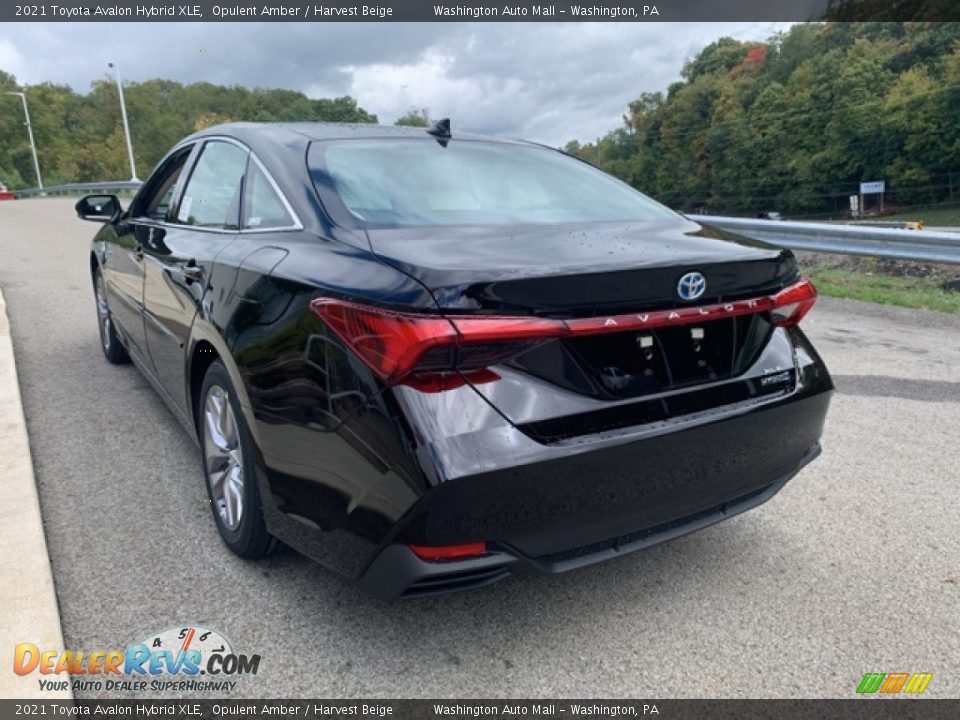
310 11
233 709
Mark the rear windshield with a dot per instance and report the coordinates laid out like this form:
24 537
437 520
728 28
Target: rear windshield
402 182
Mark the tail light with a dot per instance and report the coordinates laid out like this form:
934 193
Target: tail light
435 353
420 349
791 304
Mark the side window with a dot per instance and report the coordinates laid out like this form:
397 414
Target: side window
159 194
212 196
262 207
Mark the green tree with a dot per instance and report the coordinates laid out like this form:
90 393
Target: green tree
80 136
796 123
414 118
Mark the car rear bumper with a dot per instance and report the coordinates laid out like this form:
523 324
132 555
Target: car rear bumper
563 513
441 469
398 573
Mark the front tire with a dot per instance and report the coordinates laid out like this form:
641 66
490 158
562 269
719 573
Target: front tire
113 350
230 468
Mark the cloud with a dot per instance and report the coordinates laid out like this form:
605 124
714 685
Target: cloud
550 82
10 59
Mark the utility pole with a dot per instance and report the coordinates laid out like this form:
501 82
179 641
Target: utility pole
126 125
33 145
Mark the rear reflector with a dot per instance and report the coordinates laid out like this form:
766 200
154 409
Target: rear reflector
435 382
424 350
449 552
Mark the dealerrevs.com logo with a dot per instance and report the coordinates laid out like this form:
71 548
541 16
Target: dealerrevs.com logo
185 659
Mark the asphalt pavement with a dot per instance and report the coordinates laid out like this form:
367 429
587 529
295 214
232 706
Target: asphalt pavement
853 568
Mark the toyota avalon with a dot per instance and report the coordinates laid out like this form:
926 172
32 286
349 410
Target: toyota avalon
429 360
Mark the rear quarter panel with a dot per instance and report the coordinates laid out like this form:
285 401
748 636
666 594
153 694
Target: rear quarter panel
335 453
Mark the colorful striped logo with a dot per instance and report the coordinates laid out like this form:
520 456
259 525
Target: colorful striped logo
892 683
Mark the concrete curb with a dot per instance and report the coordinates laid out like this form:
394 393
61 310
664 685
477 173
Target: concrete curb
28 602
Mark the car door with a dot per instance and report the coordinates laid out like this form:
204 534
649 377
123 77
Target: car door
122 264
123 267
179 257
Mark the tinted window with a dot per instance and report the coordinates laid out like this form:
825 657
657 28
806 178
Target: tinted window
421 182
212 196
262 207
162 185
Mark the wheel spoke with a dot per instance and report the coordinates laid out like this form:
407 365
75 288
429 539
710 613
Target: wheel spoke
103 313
213 419
217 458
235 497
223 417
229 427
228 504
223 456
214 434
218 472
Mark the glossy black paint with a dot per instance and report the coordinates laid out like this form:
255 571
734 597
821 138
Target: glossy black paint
589 269
349 469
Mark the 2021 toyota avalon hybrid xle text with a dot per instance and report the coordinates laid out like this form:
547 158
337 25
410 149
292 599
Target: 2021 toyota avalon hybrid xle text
430 360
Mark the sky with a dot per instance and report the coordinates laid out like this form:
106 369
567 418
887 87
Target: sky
547 82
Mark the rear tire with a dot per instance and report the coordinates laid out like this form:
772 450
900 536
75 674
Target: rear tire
229 467
113 349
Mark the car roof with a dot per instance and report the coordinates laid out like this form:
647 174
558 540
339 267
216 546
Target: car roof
287 132
281 147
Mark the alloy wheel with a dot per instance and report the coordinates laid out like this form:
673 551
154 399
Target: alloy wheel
224 457
103 314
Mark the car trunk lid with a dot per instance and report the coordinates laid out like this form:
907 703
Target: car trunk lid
576 270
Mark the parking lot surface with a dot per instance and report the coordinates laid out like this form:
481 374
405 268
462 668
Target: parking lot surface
853 568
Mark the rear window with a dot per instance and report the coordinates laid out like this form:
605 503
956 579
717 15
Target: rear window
410 182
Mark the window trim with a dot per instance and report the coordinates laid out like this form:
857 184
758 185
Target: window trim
198 144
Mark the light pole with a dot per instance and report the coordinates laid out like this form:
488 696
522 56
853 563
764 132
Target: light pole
33 145
126 126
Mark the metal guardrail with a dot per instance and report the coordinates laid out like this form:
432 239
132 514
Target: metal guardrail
920 245
71 188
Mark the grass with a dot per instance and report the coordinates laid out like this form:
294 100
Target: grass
911 292
935 217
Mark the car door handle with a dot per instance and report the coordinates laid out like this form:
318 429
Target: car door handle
191 271
186 272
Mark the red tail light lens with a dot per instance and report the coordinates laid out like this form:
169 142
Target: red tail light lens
390 343
434 353
791 304
449 552
403 347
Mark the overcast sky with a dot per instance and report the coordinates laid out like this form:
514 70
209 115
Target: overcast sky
545 82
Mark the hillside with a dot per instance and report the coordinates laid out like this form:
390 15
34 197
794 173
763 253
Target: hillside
795 124
80 136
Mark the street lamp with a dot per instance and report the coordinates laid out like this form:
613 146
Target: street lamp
33 145
126 126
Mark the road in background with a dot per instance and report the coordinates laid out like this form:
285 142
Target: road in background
853 568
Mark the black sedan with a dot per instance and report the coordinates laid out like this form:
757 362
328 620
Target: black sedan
429 360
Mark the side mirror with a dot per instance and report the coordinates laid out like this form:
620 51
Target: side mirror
99 208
